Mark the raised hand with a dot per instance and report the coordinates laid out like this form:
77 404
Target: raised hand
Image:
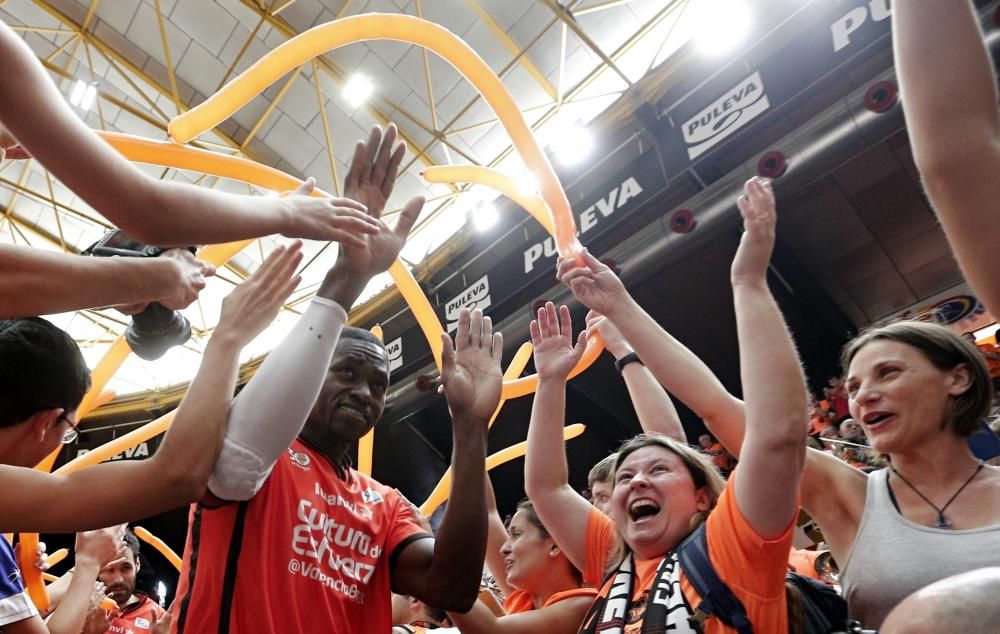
614 342
552 338
101 546
470 372
370 181
759 218
341 220
594 284
253 305
40 555
161 625
189 278
98 595
98 620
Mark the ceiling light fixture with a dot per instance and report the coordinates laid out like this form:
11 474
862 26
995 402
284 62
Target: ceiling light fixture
719 25
83 95
357 90
484 215
573 144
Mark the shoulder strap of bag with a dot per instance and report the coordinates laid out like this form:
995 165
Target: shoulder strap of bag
716 598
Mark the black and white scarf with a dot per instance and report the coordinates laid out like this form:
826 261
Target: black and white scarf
666 608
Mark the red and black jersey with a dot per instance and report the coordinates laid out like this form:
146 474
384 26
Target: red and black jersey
137 617
311 552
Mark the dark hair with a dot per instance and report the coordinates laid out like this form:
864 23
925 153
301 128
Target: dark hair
132 542
41 367
437 615
525 506
602 471
946 350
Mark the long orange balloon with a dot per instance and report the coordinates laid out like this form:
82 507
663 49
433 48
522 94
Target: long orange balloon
378 26
516 451
488 177
120 444
32 576
437 498
159 545
514 370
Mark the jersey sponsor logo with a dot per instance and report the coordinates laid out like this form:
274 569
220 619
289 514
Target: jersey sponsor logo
300 459
336 500
476 296
739 106
341 557
371 496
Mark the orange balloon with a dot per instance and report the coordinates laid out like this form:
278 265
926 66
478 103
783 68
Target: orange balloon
392 26
159 545
30 573
531 202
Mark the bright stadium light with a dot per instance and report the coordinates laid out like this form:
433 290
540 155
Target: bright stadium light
484 215
357 90
719 25
83 95
573 144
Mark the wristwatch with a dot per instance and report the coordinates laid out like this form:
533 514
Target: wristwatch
627 359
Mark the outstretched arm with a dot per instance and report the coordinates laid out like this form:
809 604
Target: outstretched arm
773 385
562 510
563 616
676 368
177 474
950 100
652 404
36 282
446 574
152 211
94 549
271 411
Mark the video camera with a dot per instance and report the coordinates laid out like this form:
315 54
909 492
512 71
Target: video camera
157 328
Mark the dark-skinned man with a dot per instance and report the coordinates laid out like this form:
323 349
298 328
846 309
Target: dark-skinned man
295 540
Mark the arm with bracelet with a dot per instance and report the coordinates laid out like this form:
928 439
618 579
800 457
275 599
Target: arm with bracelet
653 406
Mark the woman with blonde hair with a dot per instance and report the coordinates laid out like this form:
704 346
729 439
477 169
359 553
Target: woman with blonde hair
663 490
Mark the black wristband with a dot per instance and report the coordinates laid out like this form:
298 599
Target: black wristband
627 359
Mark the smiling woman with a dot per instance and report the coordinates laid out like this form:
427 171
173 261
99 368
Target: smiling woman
919 390
542 587
663 489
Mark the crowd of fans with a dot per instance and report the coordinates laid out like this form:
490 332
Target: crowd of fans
680 534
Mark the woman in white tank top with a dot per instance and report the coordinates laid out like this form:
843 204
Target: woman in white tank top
919 390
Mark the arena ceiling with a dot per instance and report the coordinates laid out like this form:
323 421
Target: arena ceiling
148 60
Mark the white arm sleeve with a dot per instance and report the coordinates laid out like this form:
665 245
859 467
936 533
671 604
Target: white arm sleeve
271 410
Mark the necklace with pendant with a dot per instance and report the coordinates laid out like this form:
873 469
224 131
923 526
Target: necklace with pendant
942 520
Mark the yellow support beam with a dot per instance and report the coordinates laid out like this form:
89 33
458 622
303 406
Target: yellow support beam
501 34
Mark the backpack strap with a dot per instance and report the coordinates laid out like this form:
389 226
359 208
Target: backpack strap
716 598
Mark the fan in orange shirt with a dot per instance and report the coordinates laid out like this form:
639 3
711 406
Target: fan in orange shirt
542 587
663 489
